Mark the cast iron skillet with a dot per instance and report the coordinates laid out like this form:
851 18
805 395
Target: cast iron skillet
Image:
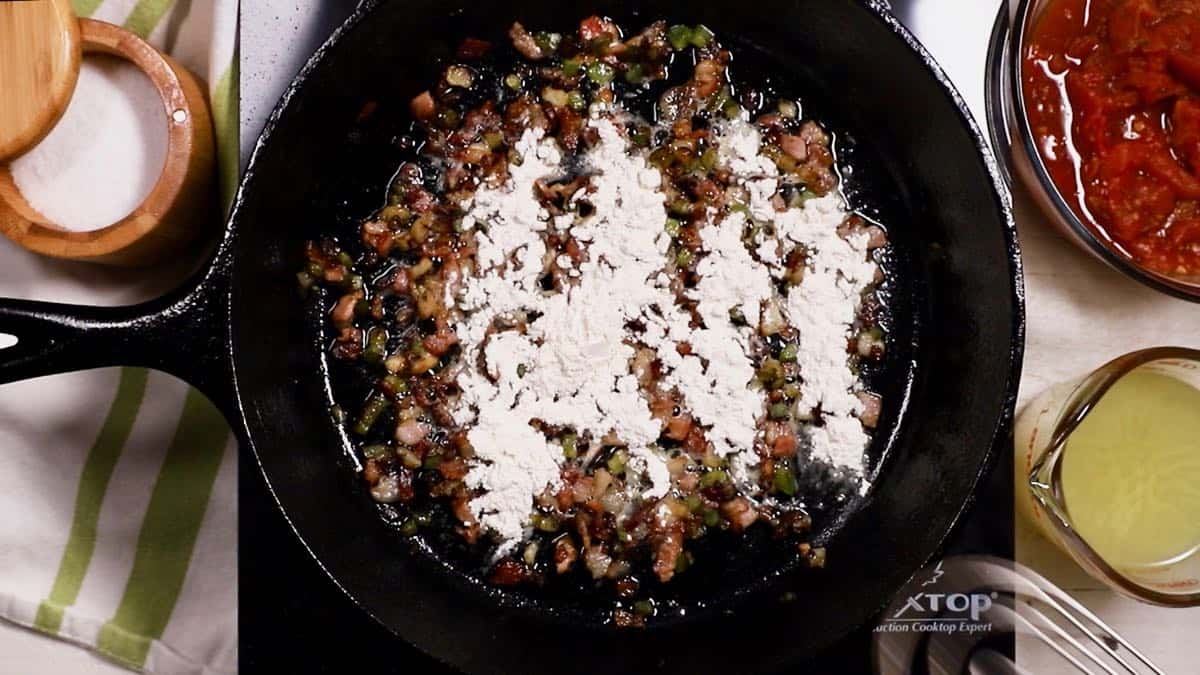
240 333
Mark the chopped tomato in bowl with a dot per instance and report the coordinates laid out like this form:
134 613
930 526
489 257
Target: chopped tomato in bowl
1112 98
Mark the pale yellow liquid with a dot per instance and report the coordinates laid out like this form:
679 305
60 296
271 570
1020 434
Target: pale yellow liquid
1131 472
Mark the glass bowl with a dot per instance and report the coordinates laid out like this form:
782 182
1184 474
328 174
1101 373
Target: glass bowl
1009 126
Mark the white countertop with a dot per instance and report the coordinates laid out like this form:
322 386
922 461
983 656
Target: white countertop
1079 315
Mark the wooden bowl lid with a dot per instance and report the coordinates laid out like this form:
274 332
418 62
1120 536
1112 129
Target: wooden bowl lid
39 65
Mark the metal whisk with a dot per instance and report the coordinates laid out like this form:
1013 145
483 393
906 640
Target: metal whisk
1022 603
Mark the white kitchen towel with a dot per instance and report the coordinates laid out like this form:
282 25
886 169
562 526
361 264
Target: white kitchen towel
118 487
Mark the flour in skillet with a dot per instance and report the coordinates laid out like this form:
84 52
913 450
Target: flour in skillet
824 306
514 461
571 365
716 378
719 394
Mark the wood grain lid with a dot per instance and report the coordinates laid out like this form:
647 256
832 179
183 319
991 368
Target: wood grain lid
39 65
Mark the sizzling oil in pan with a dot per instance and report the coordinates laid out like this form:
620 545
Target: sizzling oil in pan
726 565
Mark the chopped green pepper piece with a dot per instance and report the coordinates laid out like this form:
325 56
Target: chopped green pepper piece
370 414
791 391
643 607
711 517
599 44
679 36
771 374
576 101
397 215
432 461
661 157
785 481
683 562
779 411
547 42
684 258
788 354
513 81
709 159
569 445
616 463
719 99
601 73
395 384
672 227
701 36
545 522
681 207
494 139
635 73
409 528
694 503
376 348
376 451
408 458
713 477
571 67
448 118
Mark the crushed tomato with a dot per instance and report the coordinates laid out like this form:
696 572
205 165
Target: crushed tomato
1113 97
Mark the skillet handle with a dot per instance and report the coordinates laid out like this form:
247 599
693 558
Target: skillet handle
183 334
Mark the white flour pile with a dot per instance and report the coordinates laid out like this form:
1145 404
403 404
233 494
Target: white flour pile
103 157
824 305
571 366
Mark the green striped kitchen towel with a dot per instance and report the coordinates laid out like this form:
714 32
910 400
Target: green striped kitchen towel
118 487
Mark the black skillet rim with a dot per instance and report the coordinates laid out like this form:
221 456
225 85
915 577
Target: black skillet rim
881 11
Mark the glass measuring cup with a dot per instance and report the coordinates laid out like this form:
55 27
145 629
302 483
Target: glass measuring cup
1041 442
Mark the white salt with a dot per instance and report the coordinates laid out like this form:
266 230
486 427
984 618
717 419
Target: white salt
103 157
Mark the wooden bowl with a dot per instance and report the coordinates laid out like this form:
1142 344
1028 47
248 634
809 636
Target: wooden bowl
178 209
